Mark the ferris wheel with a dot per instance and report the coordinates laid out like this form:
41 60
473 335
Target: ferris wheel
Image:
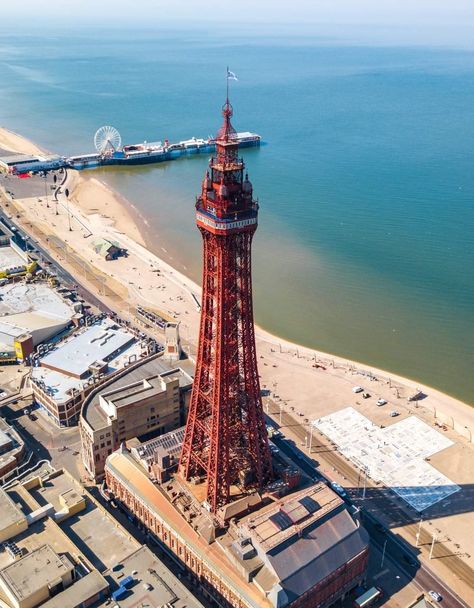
107 140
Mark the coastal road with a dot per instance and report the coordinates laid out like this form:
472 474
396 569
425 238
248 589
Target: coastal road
44 257
376 501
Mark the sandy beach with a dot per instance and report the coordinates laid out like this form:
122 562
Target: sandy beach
304 382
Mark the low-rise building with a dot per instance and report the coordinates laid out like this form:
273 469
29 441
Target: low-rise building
62 378
36 577
31 313
12 449
61 549
146 399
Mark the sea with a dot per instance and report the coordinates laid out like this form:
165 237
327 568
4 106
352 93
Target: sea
365 179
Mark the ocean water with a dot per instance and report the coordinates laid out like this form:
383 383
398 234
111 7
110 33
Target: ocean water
365 246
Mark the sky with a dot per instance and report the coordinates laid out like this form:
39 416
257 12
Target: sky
383 12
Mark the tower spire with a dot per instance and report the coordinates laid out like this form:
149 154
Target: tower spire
225 440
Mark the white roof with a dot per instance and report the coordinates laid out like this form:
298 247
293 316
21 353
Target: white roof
95 343
58 384
33 297
9 258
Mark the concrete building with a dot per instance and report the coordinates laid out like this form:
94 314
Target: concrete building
61 549
12 450
86 359
31 309
172 342
298 550
13 520
148 399
36 577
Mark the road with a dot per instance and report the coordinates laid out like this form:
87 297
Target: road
44 257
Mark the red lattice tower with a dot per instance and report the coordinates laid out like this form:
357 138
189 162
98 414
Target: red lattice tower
226 439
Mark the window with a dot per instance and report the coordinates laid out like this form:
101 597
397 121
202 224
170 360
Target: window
109 442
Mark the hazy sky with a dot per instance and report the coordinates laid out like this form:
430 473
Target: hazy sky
384 12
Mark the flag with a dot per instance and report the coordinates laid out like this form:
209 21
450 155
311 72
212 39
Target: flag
231 75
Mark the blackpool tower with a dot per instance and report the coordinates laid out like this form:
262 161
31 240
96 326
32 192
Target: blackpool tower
225 442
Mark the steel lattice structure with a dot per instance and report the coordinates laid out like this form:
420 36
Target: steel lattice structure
225 439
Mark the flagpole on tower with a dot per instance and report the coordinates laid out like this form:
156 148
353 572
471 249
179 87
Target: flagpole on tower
227 82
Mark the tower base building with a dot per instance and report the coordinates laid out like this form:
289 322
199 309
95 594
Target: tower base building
302 549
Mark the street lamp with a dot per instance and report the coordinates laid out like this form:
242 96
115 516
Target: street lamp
383 553
418 534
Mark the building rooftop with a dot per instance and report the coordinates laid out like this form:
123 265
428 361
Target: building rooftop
79 353
12 159
11 513
10 258
5 440
127 382
154 584
34 571
93 530
99 342
38 298
82 590
170 443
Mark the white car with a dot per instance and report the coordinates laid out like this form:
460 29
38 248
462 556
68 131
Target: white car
394 414
435 595
357 389
381 401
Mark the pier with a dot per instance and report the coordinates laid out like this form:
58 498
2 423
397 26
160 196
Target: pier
109 152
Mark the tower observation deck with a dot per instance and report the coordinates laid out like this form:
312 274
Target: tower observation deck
225 442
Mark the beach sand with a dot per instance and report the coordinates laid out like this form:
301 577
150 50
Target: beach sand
10 140
305 382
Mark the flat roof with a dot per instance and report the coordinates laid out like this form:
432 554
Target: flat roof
17 298
98 342
11 512
164 588
9 258
12 159
93 413
94 532
79 592
34 571
170 442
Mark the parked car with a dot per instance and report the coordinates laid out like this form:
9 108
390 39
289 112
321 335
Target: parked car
357 389
381 401
394 413
435 595
339 489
